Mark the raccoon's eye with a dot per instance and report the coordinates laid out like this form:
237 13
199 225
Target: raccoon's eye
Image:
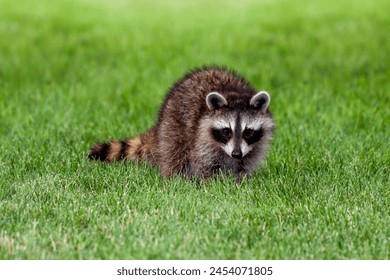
221 135
252 136
248 133
227 132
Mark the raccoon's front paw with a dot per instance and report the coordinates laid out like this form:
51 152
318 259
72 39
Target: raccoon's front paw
241 177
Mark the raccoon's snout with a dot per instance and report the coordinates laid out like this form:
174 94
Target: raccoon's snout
237 154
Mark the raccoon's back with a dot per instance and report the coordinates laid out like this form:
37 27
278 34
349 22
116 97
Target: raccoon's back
185 101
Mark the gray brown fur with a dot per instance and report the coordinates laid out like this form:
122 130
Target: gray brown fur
182 142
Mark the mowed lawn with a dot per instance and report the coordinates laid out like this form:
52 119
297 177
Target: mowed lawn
73 73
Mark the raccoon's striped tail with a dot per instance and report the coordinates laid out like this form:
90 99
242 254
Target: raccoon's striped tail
141 147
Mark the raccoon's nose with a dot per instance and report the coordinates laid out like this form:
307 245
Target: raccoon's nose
237 154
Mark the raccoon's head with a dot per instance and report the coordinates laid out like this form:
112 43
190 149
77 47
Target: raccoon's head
240 123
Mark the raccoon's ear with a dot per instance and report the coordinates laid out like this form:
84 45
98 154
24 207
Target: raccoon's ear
214 100
260 101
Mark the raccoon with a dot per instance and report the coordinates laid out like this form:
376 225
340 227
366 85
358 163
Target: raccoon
212 122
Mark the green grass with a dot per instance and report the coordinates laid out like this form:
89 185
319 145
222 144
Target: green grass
73 73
